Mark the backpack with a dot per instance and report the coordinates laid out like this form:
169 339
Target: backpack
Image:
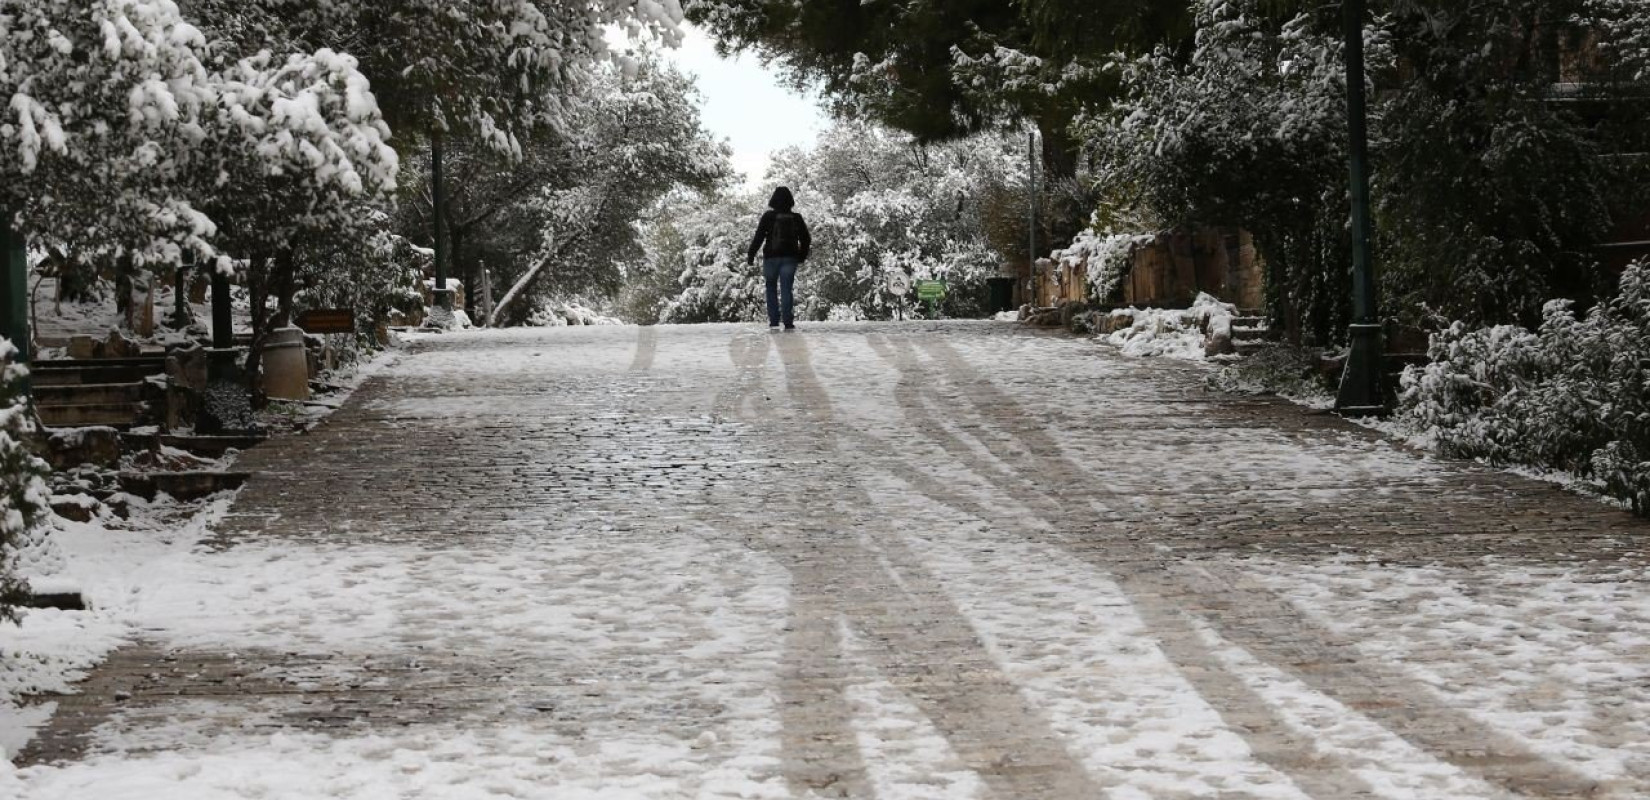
786 239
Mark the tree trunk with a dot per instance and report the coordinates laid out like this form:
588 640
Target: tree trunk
285 282
518 289
125 269
1064 211
257 284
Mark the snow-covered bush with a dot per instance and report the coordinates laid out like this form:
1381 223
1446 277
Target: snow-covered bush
561 313
376 275
1172 333
22 485
1572 395
1281 369
1107 256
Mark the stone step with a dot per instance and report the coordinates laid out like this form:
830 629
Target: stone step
181 485
1251 333
1246 347
156 361
80 394
114 415
1248 322
68 372
203 446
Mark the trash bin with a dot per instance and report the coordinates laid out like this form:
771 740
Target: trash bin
286 366
1001 294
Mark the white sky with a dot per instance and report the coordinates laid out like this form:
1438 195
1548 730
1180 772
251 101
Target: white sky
745 104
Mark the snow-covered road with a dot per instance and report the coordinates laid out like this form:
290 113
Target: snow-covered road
958 560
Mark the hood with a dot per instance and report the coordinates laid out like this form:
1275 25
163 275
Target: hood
781 200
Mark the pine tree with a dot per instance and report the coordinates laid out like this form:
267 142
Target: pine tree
23 495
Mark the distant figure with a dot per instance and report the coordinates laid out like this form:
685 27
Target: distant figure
783 239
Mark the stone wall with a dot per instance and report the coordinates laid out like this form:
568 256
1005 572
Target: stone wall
1170 272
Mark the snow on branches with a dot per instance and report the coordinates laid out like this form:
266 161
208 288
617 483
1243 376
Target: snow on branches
101 97
125 128
1625 25
878 204
1569 395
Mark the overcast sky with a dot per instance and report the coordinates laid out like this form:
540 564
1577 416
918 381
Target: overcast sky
745 104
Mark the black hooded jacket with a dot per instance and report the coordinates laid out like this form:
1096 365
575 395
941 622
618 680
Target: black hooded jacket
779 208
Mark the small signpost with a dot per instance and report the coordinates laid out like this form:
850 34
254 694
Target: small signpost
899 285
931 292
327 320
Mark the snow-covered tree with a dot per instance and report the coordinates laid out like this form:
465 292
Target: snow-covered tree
641 138
1490 189
1623 27
876 202
23 496
941 71
489 70
1248 129
102 97
1489 193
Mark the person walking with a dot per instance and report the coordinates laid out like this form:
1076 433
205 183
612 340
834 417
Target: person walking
782 236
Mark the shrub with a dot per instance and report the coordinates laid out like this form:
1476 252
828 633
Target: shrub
1573 394
22 480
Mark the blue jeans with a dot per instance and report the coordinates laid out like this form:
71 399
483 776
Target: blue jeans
780 273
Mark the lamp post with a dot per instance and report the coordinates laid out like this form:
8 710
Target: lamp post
14 290
1360 391
1031 239
438 201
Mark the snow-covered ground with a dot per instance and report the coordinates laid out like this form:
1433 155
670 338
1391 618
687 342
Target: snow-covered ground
125 568
893 561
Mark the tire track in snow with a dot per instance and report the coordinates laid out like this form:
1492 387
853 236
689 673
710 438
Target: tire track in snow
924 642
818 753
1268 626
1269 739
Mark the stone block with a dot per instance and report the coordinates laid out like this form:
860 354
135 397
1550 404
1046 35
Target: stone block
118 345
81 346
73 447
1219 343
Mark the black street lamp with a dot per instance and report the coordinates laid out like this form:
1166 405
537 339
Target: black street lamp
14 290
1360 392
438 202
1032 161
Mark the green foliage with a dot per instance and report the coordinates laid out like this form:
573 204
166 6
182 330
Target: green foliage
1489 192
1492 178
1247 130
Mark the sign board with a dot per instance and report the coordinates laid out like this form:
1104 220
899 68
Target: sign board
930 290
327 320
899 284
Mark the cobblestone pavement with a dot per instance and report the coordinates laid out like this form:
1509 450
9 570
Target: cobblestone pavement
897 561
